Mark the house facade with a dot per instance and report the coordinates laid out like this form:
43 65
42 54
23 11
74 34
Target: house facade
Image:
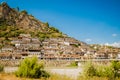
54 49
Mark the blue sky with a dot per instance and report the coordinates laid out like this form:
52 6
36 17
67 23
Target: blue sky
91 21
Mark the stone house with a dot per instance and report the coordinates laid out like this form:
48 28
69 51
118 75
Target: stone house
5 56
7 49
36 53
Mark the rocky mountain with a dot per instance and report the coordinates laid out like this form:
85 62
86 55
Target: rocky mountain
20 19
14 22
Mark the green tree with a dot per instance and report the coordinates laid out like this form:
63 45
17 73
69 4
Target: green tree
29 67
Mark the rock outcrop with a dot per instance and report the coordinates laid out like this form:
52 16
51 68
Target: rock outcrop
20 19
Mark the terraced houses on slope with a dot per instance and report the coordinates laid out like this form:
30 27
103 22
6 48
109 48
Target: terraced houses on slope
53 49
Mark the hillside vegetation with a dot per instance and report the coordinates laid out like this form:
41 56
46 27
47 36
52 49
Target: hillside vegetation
14 22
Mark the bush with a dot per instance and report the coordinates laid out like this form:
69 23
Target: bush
24 11
73 64
116 68
104 71
89 70
1 68
53 29
111 71
29 67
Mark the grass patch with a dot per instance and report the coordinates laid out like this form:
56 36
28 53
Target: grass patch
73 64
6 76
58 77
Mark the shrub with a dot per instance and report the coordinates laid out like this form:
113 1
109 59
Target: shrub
104 71
89 70
1 68
29 67
116 68
24 11
53 29
73 64
47 24
108 72
111 71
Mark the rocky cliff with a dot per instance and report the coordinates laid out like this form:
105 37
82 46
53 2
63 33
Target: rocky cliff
20 19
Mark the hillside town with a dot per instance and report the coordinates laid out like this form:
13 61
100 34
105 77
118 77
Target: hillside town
49 40
55 49
17 29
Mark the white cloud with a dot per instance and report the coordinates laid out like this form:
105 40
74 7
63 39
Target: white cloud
114 35
88 40
115 44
